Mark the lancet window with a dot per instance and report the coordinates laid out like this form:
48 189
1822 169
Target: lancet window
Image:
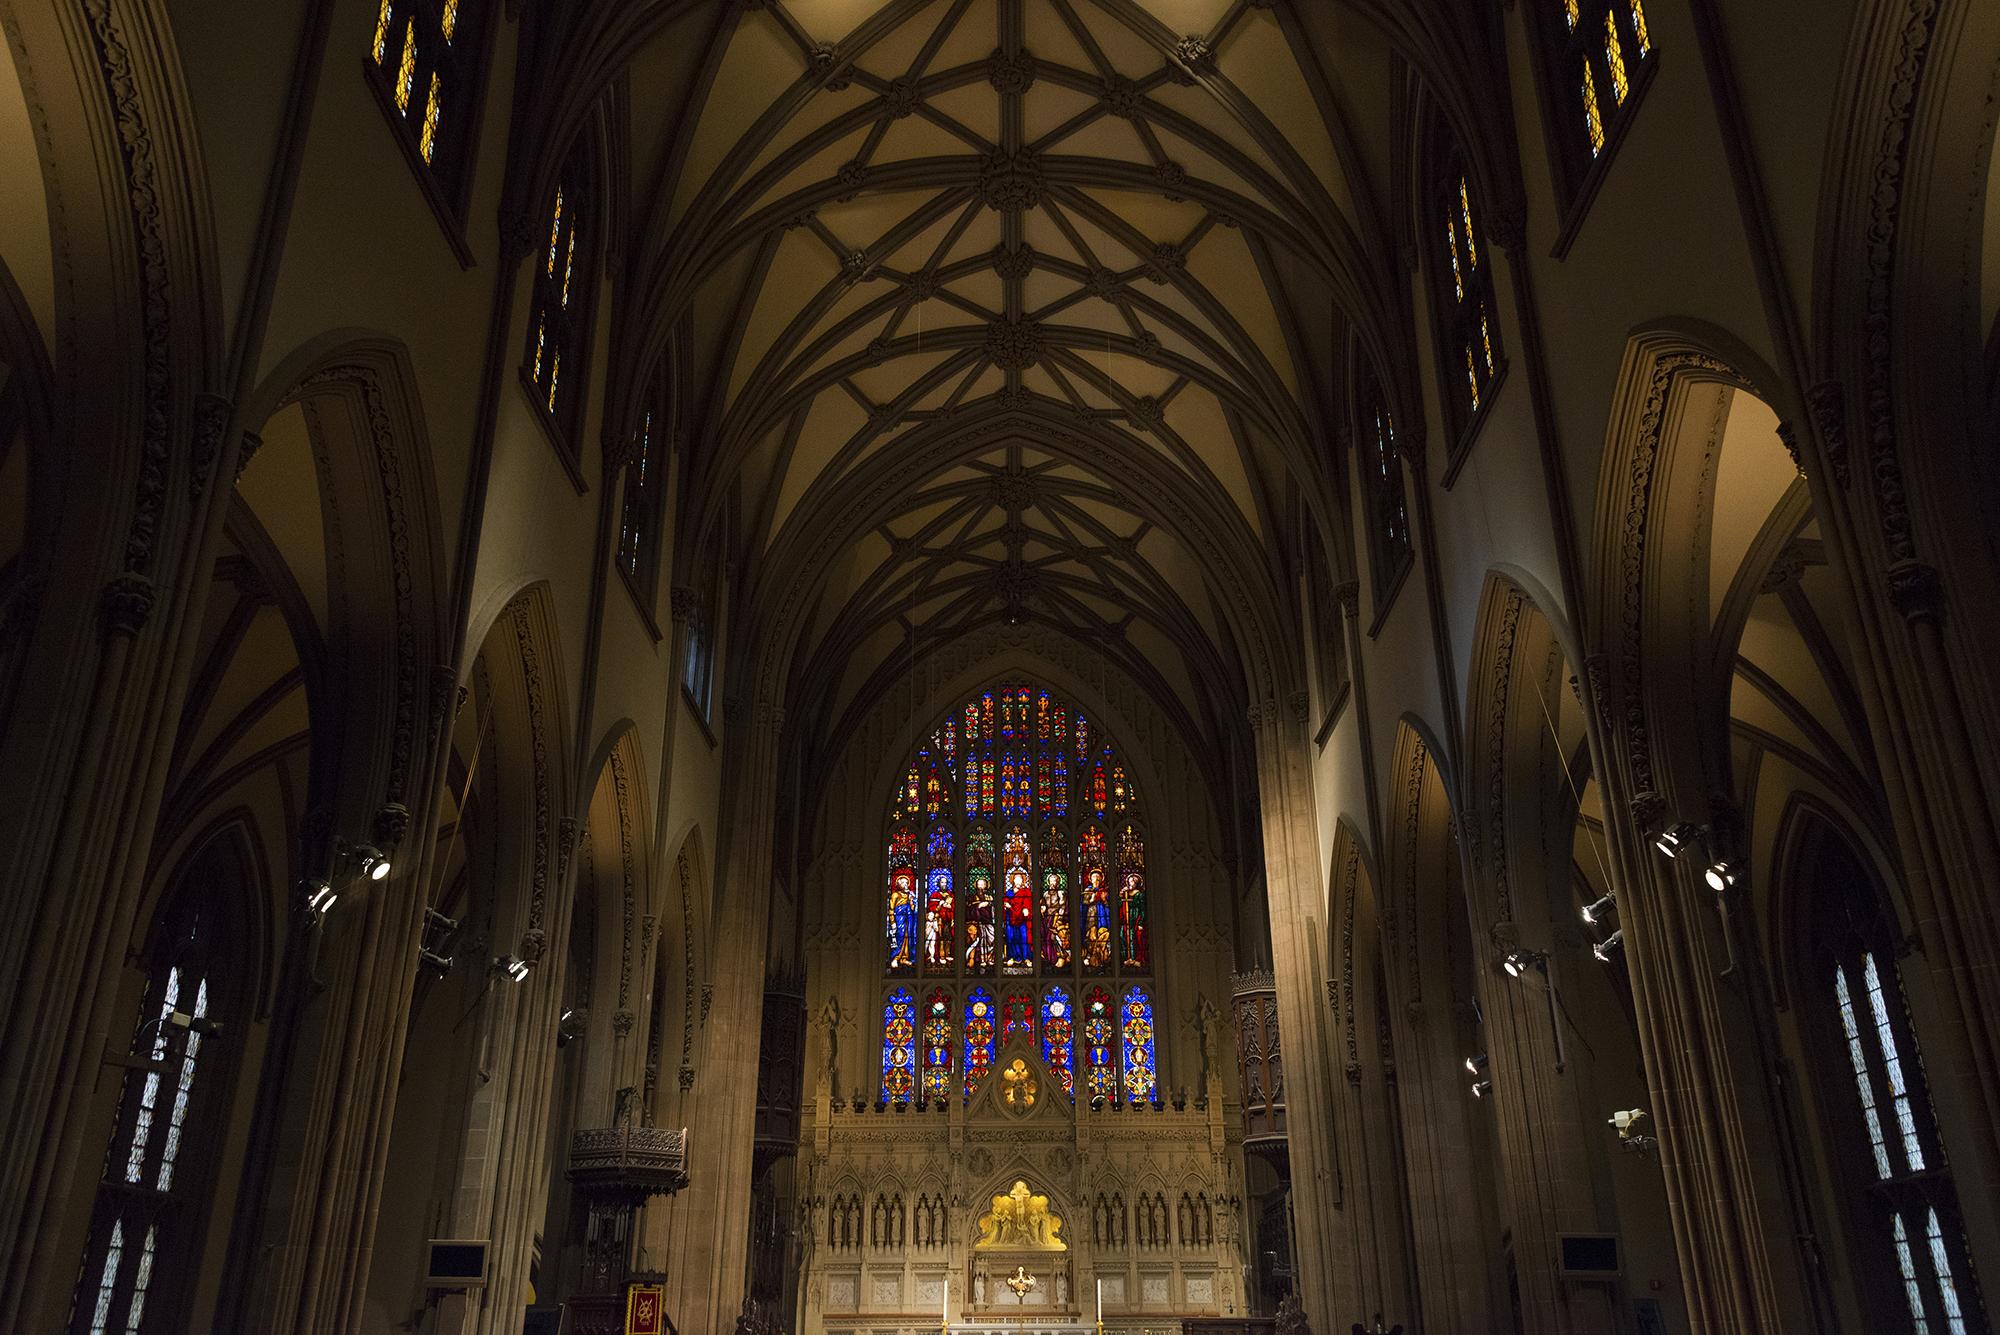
1595 53
423 61
1382 486
559 319
1016 853
1465 310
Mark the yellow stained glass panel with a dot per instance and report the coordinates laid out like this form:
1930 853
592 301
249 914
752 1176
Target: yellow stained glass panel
406 67
1639 27
1451 240
427 142
1569 10
1472 377
555 233
1593 116
1614 56
382 18
1471 239
448 20
569 266
555 377
1486 338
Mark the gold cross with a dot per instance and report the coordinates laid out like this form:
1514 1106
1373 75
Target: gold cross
1021 1281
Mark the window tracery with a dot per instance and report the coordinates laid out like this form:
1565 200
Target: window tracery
1462 288
1016 851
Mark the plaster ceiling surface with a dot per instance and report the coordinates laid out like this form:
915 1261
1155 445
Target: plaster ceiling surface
886 222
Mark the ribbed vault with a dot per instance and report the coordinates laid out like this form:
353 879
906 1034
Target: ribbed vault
891 222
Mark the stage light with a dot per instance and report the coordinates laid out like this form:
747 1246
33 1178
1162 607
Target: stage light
1595 913
1519 962
1482 1089
320 897
1476 1065
1722 875
514 967
1608 947
1676 838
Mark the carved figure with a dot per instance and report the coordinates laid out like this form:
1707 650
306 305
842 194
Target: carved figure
1021 1220
1019 1086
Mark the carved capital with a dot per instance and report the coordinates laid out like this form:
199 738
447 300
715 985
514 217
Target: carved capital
211 423
1828 404
126 604
1917 591
1347 594
1647 808
685 605
392 822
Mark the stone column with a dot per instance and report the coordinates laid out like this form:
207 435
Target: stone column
1295 884
708 1272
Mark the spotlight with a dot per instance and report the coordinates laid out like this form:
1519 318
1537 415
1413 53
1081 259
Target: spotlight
514 967
1609 946
374 863
1476 1065
1722 874
1519 962
1481 1089
570 1026
320 897
1676 837
1599 911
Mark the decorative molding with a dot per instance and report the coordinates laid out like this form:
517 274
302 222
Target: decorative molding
531 673
1828 403
621 783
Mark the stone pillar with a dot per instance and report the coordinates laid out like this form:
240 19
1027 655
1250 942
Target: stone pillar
1735 1226
707 1272
1295 884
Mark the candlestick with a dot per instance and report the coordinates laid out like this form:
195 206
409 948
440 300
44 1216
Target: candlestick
1100 1302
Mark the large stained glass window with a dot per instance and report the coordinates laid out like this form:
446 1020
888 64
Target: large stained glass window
1594 54
899 1046
1141 1083
1016 852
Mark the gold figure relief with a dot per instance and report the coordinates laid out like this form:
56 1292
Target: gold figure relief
1020 1221
1019 1087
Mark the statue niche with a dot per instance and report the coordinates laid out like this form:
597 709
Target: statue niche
1020 1221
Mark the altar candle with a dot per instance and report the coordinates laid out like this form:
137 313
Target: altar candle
946 1318
1100 1302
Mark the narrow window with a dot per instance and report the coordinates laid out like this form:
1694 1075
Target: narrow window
1594 53
560 312
1383 494
421 60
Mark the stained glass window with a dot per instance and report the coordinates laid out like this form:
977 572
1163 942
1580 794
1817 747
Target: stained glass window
159 1154
423 61
998 867
902 920
559 315
1140 1081
1594 52
639 507
1017 1017
1903 1204
1056 927
1100 1045
1019 956
979 1036
899 1047
1131 899
940 908
979 902
1462 286
1059 1037
937 1035
1382 483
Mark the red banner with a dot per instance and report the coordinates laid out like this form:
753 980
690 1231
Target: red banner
646 1309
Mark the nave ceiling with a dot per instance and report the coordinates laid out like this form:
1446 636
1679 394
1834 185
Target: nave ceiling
998 311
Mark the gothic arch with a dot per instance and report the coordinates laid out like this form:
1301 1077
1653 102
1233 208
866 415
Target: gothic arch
616 864
381 545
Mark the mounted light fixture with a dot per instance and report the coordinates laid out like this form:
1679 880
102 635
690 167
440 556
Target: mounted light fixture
374 863
1597 912
570 1027
1609 946
1677 838
1476 1065
1722 874
320 898
1520 962
513 966
1482 1088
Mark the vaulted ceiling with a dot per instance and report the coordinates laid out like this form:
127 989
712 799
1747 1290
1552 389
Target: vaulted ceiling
1014 310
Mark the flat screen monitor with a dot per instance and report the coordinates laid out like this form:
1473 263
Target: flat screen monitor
456 1263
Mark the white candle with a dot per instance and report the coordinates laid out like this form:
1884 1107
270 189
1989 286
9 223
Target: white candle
947 1302
1100 1302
